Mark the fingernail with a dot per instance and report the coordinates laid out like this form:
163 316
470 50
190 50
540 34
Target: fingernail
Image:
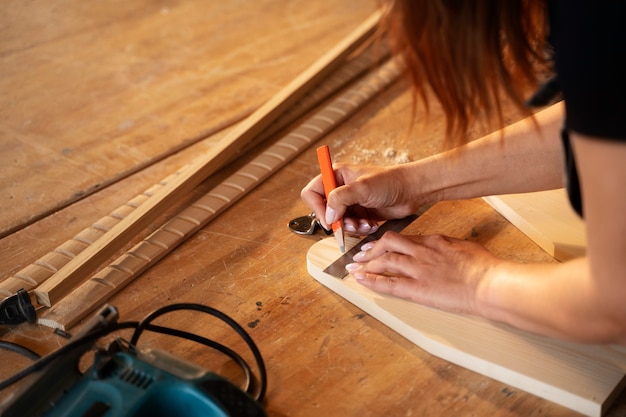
352 267
364 228
330 215
349 227
367 246
358 256
359 277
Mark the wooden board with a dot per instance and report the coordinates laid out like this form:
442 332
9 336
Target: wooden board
584 378
547 218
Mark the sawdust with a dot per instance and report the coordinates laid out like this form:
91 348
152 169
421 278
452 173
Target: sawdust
389 156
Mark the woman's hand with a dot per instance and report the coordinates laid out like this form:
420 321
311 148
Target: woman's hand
365 195
436 271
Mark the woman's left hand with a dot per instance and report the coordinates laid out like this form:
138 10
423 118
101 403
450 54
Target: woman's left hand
436 271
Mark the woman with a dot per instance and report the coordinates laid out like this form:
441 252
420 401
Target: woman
470 53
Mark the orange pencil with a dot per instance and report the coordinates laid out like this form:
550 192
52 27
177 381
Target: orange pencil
328 179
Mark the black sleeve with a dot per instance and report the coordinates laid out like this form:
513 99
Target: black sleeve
589 40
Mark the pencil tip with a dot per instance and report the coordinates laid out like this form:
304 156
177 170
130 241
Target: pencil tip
340 240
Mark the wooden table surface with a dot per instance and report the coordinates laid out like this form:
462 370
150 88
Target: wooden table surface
100 101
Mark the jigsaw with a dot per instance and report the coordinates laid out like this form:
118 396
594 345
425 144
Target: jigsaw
124 381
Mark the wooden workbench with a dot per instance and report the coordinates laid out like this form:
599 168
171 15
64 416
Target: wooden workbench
98 102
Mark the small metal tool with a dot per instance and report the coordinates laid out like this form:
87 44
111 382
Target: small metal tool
338 268
306 225
17 309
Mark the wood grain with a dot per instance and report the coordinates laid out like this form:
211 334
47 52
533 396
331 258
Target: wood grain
43 268
92 94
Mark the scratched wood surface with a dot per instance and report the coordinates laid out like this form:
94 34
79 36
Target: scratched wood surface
324 356
140 80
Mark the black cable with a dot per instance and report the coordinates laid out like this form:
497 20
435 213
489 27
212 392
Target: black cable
210 343
24 351
73 344
225 318
145 324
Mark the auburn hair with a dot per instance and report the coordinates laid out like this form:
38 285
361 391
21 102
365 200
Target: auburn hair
472 54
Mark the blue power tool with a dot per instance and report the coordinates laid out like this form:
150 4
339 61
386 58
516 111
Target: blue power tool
127 382
155 384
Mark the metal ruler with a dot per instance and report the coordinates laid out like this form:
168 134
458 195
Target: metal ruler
338 268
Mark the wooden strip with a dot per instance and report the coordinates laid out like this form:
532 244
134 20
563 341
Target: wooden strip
230 146
357 65
95 291
548 219
585 378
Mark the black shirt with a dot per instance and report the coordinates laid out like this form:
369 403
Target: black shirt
589 41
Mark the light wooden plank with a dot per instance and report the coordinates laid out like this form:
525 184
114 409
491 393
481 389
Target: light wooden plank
547 218
585 378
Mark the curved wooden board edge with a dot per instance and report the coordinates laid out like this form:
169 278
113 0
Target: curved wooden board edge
584 378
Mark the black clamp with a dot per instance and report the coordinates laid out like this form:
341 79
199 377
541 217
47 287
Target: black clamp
17 309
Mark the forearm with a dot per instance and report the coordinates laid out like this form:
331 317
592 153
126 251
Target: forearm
584 298
560 300
521 158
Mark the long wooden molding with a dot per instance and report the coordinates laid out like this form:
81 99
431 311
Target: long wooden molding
103 285
71 274
43 268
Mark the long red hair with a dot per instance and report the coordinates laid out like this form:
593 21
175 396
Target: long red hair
472 54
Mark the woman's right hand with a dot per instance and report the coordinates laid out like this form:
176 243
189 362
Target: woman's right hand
364 196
